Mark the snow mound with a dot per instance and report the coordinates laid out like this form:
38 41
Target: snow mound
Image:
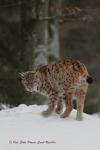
23 128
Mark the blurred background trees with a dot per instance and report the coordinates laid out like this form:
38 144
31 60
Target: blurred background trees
37 32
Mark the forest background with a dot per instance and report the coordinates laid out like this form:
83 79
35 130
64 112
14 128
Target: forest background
38 32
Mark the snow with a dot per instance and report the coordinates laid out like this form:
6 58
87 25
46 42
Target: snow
3 106
23 128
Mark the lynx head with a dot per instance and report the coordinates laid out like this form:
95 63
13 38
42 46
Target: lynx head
29 80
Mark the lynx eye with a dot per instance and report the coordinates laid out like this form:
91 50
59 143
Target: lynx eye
78 65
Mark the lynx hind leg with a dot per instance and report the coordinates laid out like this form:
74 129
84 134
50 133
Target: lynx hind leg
53 98
81 93
59 107
68 104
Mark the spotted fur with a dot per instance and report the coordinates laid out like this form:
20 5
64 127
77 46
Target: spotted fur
60 82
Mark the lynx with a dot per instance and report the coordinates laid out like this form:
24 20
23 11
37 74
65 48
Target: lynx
60 82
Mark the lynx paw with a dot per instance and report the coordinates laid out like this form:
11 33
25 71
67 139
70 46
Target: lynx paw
79 118
65 114
46 114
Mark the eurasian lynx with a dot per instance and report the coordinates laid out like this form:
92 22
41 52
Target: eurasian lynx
60 82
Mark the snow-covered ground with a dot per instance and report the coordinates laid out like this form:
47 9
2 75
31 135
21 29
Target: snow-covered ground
23 128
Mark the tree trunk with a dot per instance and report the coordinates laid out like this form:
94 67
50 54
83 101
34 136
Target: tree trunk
54 45
27 29
27 41
41 34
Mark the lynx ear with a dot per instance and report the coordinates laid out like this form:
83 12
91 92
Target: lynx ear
76 65
22 74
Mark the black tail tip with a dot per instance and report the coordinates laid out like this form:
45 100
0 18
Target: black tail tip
90 80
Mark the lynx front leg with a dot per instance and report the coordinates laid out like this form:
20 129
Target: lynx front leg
51 105
68 104
81 93
59 107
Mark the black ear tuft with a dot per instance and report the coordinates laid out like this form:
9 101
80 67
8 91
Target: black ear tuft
89 80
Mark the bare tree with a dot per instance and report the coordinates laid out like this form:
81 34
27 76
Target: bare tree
47 33
41 34
54 44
